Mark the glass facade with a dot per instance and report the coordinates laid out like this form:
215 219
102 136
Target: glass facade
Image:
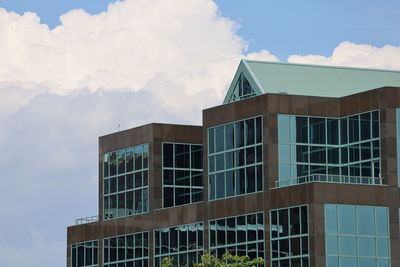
289 237
126 190
84 254
357 236
235 158
242 89
239 235
345 150
126 250
183 243
182 174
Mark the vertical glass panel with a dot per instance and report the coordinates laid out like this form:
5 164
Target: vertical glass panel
365 126
182 156
284 153
283 128
129 159
241 229
347 245
317 130
382 221
229 136
343 131
230 183
250 131
304 219
317 154
347 219
333 155
283 222
113 163
302 153
220 162
332 245
105 165
138 157
284 171
366 224
333 131
294 221
121 161
366 246
211 163
375 124
258 130
168 155
301 129
354 129
382 246
211 140
145 156
250 155
229 160
239 133
274 224
220 186
219 138
197 157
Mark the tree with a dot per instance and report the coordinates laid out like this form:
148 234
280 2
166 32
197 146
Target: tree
228 260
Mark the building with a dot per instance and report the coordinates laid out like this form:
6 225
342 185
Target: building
274 172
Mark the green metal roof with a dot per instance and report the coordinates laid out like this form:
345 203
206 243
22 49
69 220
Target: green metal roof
300 79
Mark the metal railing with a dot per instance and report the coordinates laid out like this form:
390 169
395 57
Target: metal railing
87 219
329 178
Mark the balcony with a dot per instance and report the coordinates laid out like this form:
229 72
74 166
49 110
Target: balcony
329 178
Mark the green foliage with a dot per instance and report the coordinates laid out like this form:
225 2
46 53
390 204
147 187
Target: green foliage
228 260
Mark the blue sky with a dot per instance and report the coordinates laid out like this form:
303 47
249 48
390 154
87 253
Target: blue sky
283 27
132 63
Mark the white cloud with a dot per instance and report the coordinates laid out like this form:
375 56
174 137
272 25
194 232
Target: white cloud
356 55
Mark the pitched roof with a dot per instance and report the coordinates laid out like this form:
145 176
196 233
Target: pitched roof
301 79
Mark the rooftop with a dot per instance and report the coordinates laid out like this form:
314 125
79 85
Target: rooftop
259 77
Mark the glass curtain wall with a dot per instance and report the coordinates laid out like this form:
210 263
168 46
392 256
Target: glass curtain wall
235 158
126 250
183 243
289 237
357 236
84 254
182 174
239 235
343 150
126 190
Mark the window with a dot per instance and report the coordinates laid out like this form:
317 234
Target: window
240 235
183 243
235 158
126 190
242 89
126 250
289 237
182 174
84 254
344 150
357 236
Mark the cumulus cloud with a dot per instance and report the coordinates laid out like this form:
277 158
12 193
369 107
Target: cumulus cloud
138 62
355 55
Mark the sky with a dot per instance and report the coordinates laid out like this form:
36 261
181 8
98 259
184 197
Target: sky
71 71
